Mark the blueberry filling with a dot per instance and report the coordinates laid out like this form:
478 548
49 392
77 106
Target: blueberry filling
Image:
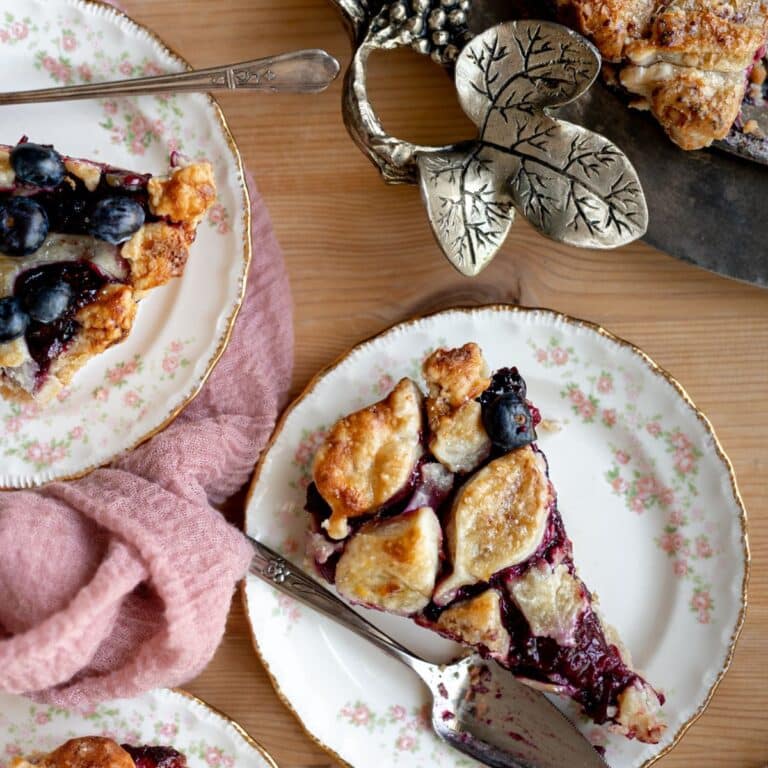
38 165
55 291
13 319
71 206
47 301
155 757
508 422
591 670
114 219
23 226
113 211
45 198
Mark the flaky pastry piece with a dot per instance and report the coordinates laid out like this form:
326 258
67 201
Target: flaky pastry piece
80 244
455 378
369 457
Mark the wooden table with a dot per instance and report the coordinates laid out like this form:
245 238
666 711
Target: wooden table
361 257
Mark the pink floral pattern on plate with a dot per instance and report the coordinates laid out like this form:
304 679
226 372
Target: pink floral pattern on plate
555 354
633 475
304 455
405 727
15 29
159 717
121 387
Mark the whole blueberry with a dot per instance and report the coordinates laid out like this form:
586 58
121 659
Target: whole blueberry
46 302
37 165
505 380
507 420
13 319
115 219
23 226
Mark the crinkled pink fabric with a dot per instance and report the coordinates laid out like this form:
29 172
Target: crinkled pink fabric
122 581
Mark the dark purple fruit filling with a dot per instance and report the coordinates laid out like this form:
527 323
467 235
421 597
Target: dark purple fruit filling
45 198
432 487
56 291
46 301
591 670
327 551
155 757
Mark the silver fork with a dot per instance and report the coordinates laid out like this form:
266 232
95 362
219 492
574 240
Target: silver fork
477 706
308 71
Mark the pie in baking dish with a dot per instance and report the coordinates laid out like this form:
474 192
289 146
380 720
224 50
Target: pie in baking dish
80 243
100 752
440 508
687 61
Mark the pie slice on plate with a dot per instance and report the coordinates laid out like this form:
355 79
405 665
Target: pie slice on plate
80 243
440 508
100 752
687 61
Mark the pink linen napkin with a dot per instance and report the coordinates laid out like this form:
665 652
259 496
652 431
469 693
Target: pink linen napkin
122 581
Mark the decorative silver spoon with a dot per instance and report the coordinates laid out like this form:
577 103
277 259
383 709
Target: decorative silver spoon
477 706
308 71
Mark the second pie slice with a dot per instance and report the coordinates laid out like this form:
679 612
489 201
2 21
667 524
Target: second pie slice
440 508
81 243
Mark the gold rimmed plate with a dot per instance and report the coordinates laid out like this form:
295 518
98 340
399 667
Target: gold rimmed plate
208 737
136 388
647 494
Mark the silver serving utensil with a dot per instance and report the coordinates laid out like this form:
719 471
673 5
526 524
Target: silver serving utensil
477 706
308 71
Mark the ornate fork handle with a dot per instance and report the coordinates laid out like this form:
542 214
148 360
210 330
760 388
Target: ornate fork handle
276 570
308 71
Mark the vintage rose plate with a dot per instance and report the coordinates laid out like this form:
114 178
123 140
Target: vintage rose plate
134 389
646 492
207 737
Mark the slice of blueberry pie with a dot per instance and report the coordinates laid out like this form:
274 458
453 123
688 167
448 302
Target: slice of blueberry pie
440 508
80 243
101 752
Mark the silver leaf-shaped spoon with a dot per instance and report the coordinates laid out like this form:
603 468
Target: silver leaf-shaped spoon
477 706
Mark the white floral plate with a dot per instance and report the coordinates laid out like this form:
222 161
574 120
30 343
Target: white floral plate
127 394
208 738
647 496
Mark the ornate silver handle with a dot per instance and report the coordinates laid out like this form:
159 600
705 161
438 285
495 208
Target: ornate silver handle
309 71
277 571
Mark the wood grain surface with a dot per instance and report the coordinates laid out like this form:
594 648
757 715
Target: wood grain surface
361 257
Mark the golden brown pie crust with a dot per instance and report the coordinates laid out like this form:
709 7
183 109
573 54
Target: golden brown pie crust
83 752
